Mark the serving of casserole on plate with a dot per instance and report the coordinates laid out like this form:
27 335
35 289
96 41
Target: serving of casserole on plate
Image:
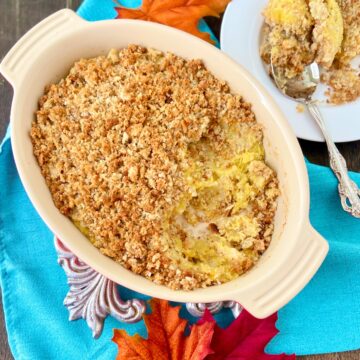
294 34
325 31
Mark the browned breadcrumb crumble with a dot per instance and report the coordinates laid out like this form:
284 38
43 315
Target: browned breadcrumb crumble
300 108
344 85
112 140
350 10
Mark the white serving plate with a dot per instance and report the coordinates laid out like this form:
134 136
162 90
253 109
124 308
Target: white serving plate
240 38
46 53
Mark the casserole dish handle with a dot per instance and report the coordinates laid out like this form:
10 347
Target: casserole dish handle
20 56
289 279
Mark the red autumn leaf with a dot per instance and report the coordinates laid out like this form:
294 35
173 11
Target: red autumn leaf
244 339
181 14
166 340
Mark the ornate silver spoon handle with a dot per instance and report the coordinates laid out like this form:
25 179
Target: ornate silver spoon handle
348 190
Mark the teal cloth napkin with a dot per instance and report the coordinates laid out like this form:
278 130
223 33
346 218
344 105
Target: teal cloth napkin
324 317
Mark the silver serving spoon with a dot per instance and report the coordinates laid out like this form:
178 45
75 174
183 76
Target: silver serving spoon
301 89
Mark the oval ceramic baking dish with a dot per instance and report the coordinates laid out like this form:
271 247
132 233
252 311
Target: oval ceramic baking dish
46 53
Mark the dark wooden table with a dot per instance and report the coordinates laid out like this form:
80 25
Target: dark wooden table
17 16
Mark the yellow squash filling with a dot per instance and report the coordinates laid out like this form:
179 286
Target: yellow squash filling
214 228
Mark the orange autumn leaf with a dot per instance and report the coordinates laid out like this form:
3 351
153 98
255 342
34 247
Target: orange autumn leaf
181 14
166 340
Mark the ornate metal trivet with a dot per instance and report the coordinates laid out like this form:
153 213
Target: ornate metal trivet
197 309
93 297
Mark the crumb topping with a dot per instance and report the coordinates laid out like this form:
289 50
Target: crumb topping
350 10
344 85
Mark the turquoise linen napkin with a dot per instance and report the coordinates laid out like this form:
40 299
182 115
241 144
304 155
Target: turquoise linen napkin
324 317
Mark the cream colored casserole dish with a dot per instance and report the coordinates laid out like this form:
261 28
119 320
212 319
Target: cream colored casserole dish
45 54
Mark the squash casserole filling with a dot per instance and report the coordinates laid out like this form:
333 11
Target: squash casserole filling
159 165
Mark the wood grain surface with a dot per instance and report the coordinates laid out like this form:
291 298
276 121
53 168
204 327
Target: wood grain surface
18 16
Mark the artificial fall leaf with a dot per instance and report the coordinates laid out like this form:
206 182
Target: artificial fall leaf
181 14
166 339
244 339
